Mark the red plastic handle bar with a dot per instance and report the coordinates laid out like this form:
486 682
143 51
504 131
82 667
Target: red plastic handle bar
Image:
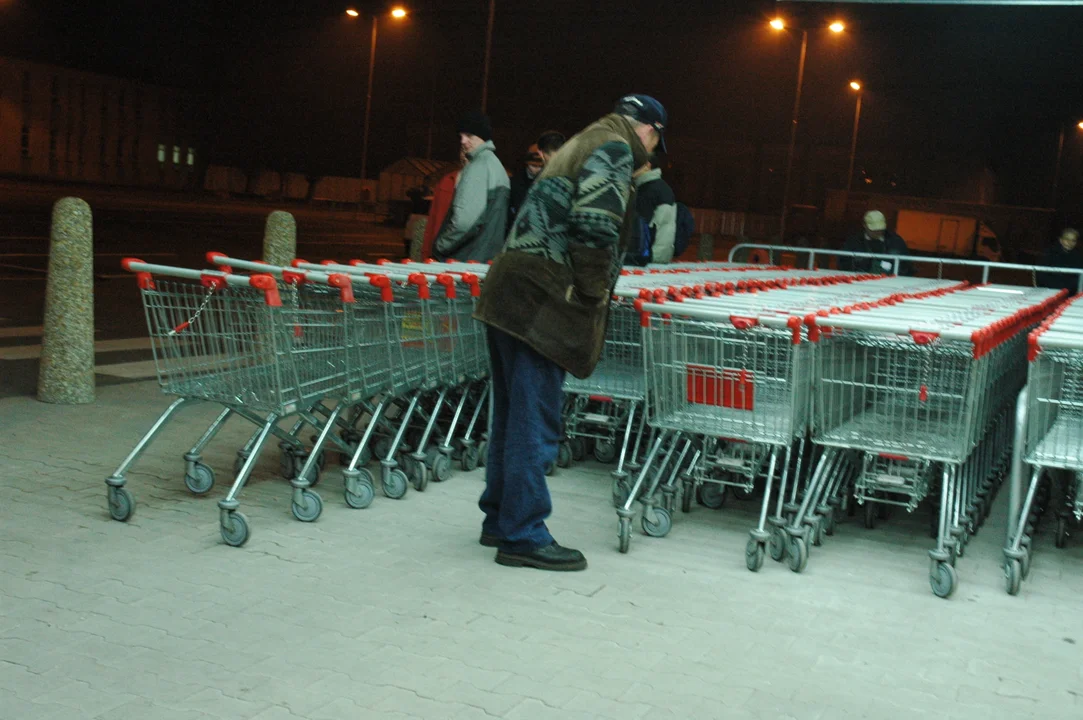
344 283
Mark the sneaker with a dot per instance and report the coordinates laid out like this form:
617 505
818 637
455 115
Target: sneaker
550 557
489 540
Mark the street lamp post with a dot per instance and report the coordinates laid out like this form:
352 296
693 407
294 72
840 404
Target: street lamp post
779 25
856 87
398 13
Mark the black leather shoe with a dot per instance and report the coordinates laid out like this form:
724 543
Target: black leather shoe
551 557
489 540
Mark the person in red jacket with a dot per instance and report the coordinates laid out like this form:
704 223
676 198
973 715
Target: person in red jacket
441 202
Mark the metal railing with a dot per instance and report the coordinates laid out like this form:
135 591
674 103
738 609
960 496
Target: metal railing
895 260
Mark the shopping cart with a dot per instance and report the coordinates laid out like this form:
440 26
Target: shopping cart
1054 435
923 386
233 341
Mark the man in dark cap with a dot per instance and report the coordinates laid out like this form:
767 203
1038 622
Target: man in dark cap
476 224
546 302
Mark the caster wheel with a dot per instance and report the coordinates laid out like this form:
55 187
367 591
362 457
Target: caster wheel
395 484
382 448
711 495
816 532
660 526
365 492
579 448
200 479
287 464
625 534
686 497
942 579
797 552
365 459
235 529
483 452
621 491
1024 563
564 455
870 515
1013 576
550 468
743 495
754 554
441 467
419 476
777 545
1061 538
121 503
829 522
605 452
309 507
469 461
238 462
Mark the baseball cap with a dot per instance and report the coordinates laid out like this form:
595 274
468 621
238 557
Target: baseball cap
646 110
874 220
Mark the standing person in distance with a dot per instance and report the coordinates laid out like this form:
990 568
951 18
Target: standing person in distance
874 237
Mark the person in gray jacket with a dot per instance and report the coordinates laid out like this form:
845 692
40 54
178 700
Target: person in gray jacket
475 226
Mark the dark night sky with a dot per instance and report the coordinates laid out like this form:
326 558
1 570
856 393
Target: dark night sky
980 83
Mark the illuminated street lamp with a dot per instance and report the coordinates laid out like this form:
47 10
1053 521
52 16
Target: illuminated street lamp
855 85
398 13
778 24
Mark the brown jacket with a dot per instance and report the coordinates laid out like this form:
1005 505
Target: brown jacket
551 286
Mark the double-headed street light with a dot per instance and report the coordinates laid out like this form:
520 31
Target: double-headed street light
398 12
779 24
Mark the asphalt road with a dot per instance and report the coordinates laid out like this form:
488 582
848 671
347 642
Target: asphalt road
157 227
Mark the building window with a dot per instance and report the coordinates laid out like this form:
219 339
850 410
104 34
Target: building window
191 156
161 154
176 154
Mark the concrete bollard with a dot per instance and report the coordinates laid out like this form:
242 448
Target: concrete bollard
280 238
66 374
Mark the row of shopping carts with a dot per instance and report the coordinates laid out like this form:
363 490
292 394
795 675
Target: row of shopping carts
380 359
901 384
1051 429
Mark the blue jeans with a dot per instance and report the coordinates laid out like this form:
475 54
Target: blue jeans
528 396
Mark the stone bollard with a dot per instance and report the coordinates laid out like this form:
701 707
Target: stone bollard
280 239
66 374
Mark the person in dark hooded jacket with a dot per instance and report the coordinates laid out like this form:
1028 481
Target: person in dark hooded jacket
1065 253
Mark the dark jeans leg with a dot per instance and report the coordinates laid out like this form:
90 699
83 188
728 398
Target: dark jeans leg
494 460
528 398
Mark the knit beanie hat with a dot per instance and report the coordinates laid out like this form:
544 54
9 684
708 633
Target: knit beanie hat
476 123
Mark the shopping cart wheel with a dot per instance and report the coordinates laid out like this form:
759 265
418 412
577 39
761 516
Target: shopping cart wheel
1061 538
660 525
870 515
744 494
550 468
754 554
942 579
1024 562
778 544
564 455
382 447
239 461
200 479
625 534
579 448
711 495
1013 576
308 508
419 476
621 490
483 452
121 503
686 496
797 553
363 492
441 467
829 521
816 530
365 459
287 463
395 484
469 460
235 529
605 451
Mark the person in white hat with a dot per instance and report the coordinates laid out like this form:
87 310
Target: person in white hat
875 238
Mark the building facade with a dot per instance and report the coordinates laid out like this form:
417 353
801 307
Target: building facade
62 124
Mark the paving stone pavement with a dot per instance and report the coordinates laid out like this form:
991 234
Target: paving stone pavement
396 612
